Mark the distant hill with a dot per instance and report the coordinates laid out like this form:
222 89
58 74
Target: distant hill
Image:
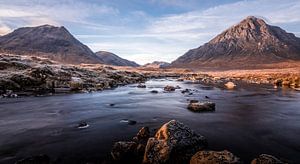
48 41
113 59
249 44
157 64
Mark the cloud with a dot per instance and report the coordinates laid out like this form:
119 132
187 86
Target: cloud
4 29
37 12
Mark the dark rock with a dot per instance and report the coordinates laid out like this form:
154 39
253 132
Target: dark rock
129 122
82 125
124 151
143 135
154 91
266 159
194 101
175 143
185 91
111 104
214 157
206 97
141 86
169 88
39 159
201 106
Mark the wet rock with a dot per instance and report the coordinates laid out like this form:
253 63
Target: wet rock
194 101
206 97
141 86
143 135
266 159
169 88
154 91
174 142
177 87
201 106
111 104
129 122
214 157
230 85
82 125
124 151
185 91
40 159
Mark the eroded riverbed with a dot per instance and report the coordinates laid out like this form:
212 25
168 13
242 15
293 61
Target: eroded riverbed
247 121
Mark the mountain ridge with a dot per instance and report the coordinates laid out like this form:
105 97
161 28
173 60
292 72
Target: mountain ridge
113 59
250 42
56 43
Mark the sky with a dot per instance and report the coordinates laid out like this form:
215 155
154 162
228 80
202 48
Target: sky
146 30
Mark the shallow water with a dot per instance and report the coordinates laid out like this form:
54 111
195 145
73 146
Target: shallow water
247 121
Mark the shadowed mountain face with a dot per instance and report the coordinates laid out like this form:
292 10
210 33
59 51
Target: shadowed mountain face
248 44
48 41
112 59
157 64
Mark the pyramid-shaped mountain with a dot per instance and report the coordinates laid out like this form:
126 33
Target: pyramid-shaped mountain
48 41
250 43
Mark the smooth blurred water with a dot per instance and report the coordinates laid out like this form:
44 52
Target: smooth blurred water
247 121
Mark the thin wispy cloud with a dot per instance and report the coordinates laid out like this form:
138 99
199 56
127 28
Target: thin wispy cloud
149 30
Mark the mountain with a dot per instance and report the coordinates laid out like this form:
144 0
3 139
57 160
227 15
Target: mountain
56 43
112 59
157 64
249 44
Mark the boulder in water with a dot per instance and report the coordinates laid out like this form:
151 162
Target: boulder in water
174 142
201 106
169 88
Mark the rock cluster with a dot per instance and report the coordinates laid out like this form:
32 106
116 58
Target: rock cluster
25 75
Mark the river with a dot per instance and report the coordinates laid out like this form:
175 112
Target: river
247 121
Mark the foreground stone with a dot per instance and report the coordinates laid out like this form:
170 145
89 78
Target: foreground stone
124 150
131 151
214 157
230 85
266 159
175 143
201 106
169 88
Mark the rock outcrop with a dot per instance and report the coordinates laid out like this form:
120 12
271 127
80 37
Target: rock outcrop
174 142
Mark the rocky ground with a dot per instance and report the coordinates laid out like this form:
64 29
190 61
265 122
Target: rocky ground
25 75
286 78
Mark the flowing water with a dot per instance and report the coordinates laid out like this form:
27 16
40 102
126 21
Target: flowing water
247 121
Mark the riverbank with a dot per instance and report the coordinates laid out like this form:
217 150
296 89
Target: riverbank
25 75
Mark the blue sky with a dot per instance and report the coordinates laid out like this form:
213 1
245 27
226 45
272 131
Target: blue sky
146 30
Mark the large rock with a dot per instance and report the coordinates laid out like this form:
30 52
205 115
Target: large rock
174 142
214 157
266 159
169 88
123 150
201 106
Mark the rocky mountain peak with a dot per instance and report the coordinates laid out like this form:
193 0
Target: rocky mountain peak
250 42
